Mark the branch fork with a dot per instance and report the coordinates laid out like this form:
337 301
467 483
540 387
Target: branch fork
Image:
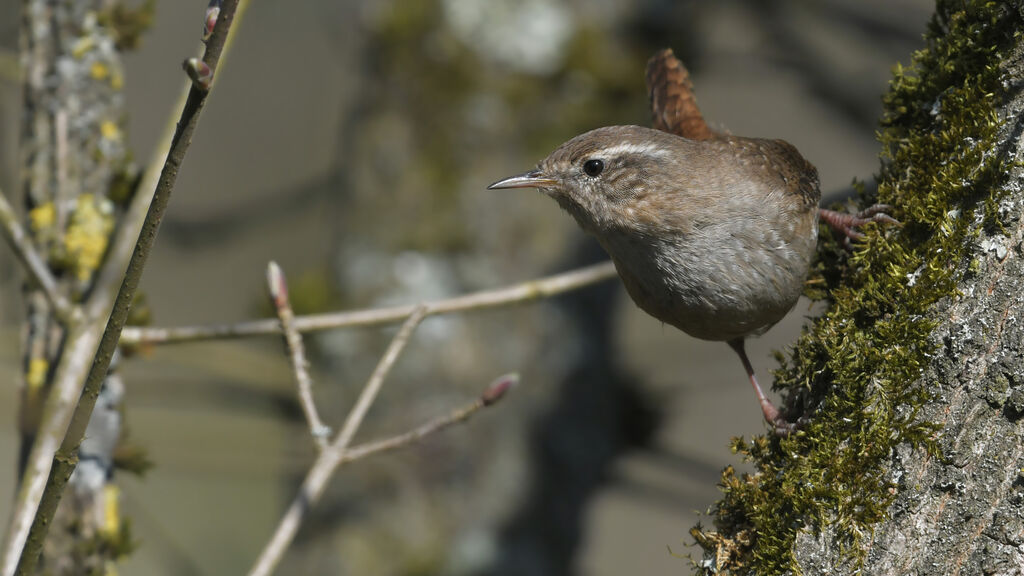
337 452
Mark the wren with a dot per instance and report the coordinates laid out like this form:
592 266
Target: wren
713 236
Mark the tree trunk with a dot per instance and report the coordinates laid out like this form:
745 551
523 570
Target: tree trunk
75 172
963 512
912 384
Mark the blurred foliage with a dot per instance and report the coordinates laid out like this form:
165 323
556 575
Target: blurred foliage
124 182
140 314
310 292
131 457
435 101
128 23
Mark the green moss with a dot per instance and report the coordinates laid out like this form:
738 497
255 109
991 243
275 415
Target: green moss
855 373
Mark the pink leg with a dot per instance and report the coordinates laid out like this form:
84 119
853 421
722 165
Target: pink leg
771 413
847 224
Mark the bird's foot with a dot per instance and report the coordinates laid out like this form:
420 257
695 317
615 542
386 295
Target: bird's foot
847 224
777 421
772 416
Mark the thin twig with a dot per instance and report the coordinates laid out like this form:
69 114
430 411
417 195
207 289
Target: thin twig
334 456
278 287
328 460
516 294
71 402
366 398
33 262
493 393
62 196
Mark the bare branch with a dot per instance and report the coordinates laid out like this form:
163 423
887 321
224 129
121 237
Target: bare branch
48 469
328 460
33 262
296 353
366 398
495 392
516 294
336 455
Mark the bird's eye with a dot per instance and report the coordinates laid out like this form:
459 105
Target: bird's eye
593 167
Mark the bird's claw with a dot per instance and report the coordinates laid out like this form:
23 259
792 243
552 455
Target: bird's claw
778 423
783 428
847 224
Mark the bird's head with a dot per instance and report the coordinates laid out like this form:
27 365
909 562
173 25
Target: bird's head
603 177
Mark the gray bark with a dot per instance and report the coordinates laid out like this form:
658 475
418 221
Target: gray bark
964 513
72 143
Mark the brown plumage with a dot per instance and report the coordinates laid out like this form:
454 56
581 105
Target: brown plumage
673 105
714 237
711 233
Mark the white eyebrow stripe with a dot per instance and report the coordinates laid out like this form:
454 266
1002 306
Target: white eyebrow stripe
650 149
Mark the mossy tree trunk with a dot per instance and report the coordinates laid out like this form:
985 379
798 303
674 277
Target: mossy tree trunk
912 461
961 509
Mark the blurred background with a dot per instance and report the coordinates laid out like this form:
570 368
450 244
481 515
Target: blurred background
351 141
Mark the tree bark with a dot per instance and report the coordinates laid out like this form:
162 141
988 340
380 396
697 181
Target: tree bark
73 159
912 384
963 512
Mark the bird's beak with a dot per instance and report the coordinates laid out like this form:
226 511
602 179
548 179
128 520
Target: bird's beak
531 179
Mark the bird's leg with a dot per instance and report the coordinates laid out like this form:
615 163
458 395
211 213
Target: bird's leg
771 414
847 224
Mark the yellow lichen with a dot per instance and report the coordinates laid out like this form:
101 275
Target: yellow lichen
36 376
110 131
99 70
111 509
82 46
42 217
88 231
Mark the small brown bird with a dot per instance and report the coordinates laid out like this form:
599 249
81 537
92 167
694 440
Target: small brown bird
712 236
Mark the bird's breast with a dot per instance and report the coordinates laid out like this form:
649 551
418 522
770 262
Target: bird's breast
714 284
